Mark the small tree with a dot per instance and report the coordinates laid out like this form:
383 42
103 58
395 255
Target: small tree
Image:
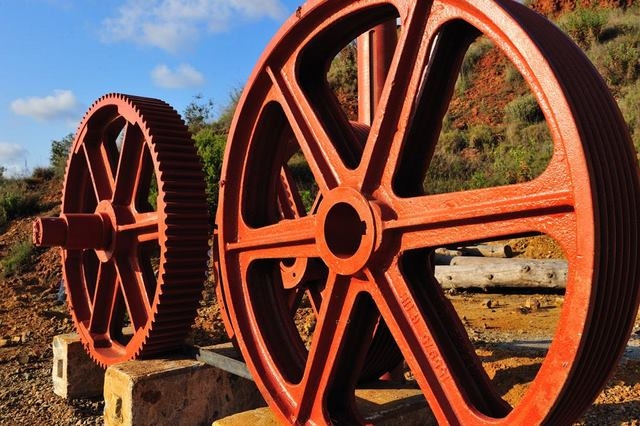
210 138
60 153
198 113
210 146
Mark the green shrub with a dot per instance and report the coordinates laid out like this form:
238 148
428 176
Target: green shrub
480 135
619 23
584 25
304 180
43 173
479 180
210 147
630 106
3 219
452 172
512 76
620 61
524 155
512 165
19 203
308 197
18 198
152 197
611 32
19 258
452 141
524 109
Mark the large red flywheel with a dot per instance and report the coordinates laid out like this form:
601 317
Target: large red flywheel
133 229
364 246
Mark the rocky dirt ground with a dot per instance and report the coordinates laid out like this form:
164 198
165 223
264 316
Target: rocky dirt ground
31 314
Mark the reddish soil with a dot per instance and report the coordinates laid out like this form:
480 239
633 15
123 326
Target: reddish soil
484 101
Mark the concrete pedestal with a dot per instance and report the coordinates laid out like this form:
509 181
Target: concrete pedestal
174 391
384 407
184 391
74 374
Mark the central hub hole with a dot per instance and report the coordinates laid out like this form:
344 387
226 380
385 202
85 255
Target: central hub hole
343 230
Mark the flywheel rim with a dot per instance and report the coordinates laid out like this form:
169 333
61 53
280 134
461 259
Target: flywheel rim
148 269
587 199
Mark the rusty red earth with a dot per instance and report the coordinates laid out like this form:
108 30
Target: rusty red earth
133 229
372 228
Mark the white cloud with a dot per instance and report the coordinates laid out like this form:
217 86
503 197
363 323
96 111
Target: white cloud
12 156
173 25
183 76
61 105
11 152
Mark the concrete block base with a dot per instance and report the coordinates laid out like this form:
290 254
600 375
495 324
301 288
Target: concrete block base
174 391
74 374
388 407
180 391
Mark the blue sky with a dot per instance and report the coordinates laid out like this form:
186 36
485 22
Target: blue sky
58 56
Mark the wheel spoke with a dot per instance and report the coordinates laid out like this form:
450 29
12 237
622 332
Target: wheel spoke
433 342
134 291
425 124
291 204
414 102
129 165
398 97
89 275
478 215
326 165
80 295
145 227
344 332
315 295
289 238
100 172
104 299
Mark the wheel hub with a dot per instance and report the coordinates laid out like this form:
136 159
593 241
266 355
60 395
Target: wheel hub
346 230
112 217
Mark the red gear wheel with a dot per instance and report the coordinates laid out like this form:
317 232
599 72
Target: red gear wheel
133 271
375 227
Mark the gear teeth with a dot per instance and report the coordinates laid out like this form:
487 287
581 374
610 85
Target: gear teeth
184 230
